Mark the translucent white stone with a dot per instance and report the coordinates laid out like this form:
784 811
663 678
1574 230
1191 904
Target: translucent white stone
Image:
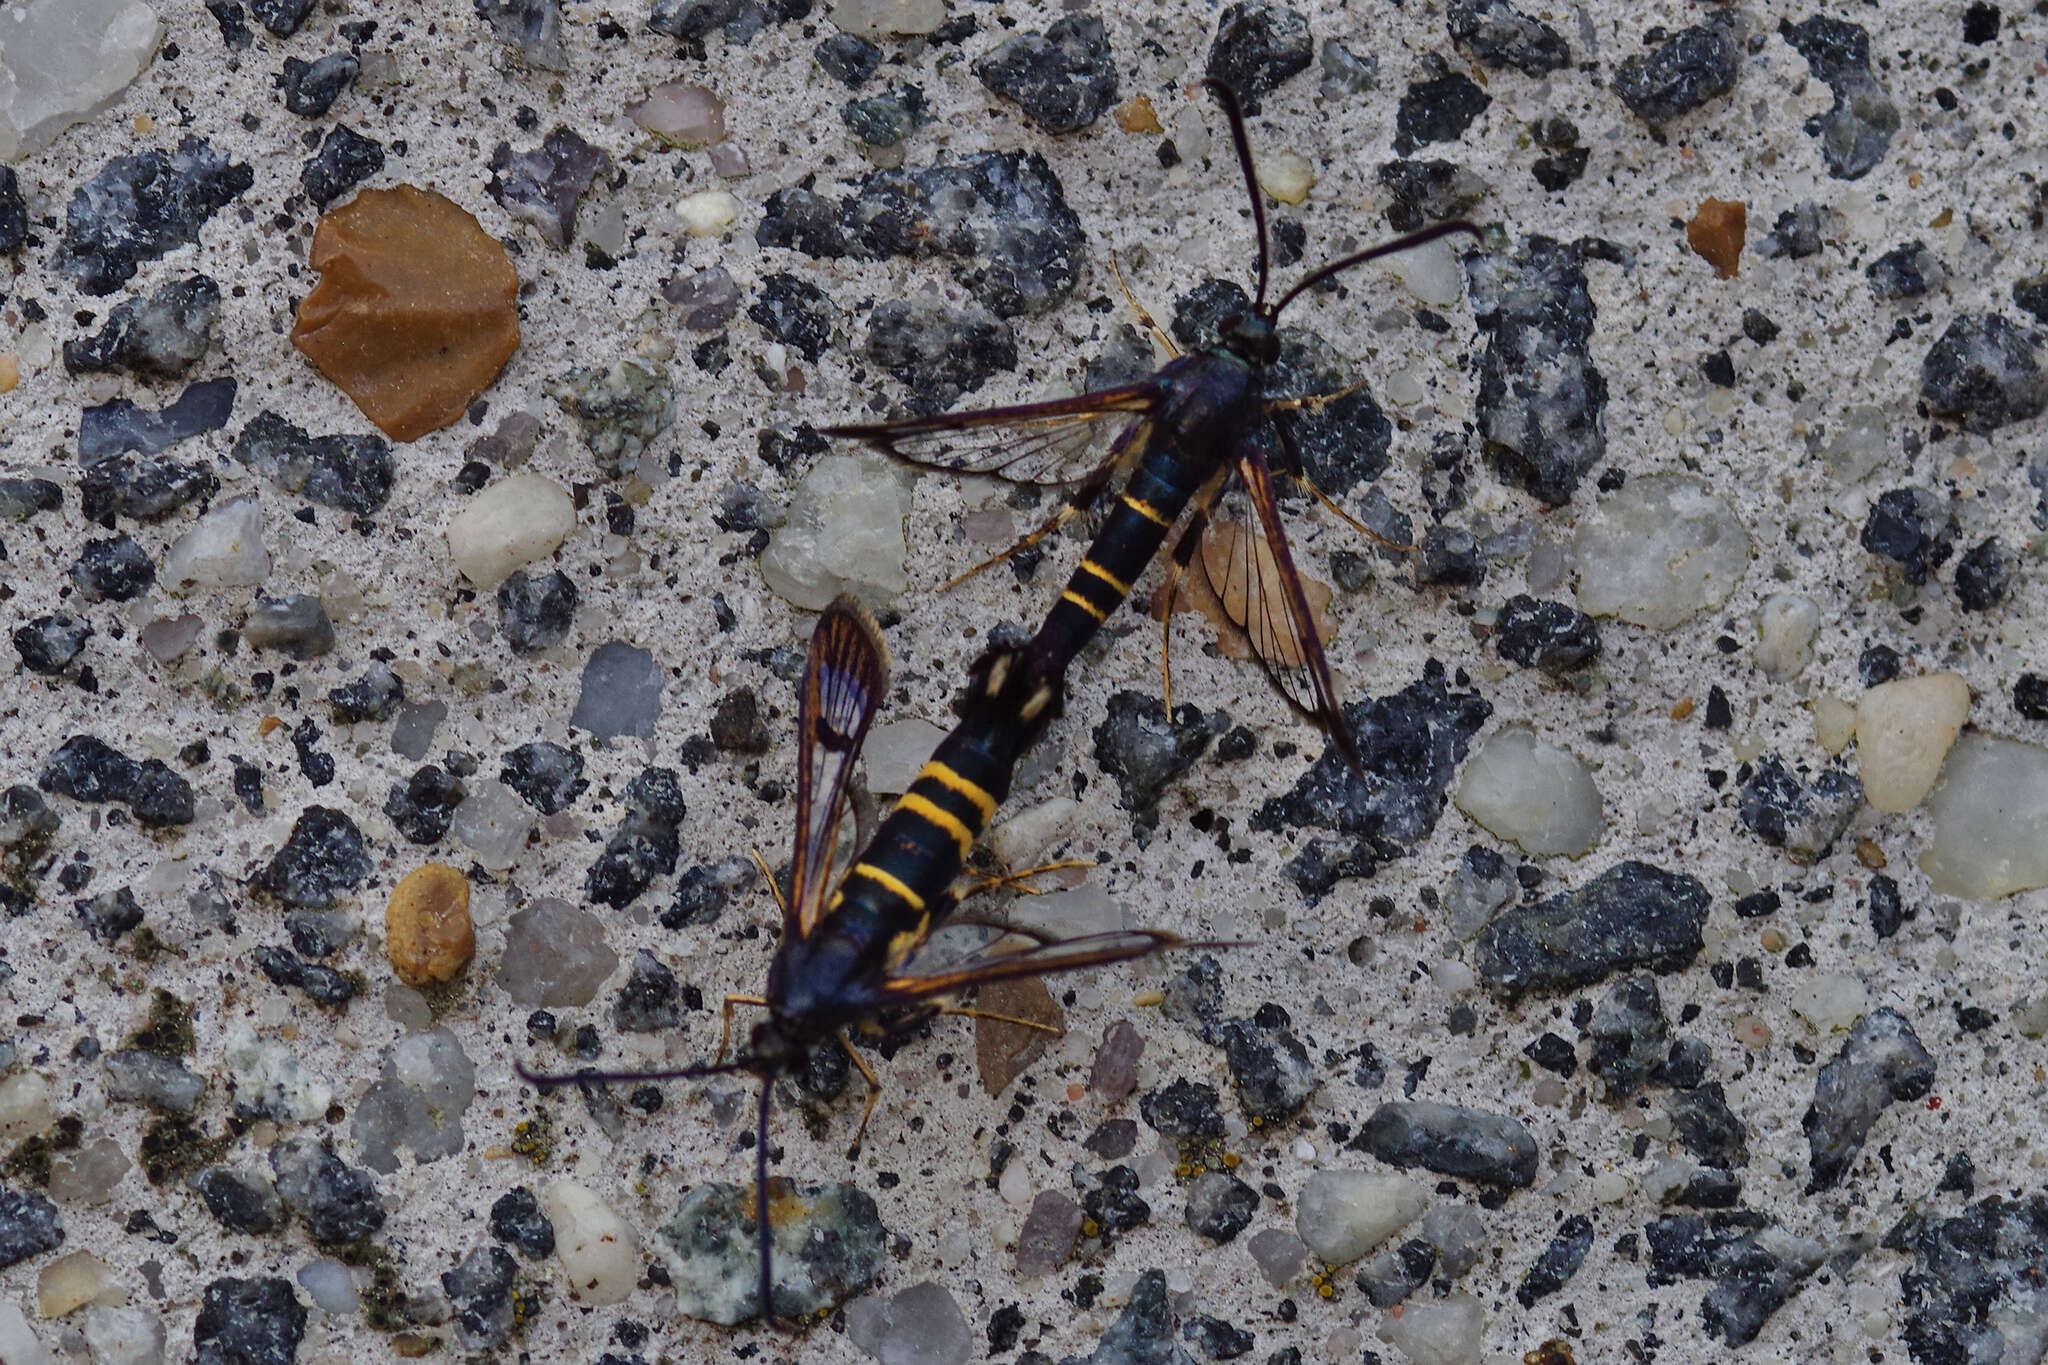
596 1247
1344 1214
224 549
1535 794
493 823
18 1344
844 534
921 1326
1445 1331
1903 731
1834 722
876 18
1431 272
1660 551
24 1106
1990 820
707 213
1022 839
270 1078
1785 631
1831 1002
124 1336
896 751
1858 445
330 1285
62 61
509 525
680 113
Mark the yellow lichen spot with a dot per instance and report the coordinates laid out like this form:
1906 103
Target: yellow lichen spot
1326 1290
1146 999
1231 1160
1090 1228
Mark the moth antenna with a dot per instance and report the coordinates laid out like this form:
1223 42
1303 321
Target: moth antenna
1373 253
761 1229
1234 115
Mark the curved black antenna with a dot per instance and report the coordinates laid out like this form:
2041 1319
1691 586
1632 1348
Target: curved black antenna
545 1081
765 1237
1343 263
1232 113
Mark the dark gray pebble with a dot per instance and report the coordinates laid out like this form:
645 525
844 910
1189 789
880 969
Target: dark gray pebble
112 427
1629 1035
1410 745
49 644
162 335
1145 752
240 1201
1905 272
1451 1140
249 1322
1558 1263
13 212
645 844
1183 1109
110 914
1220 1205
323 859
938 352
1632 915
1541 402
322 984
1882 1063
651 999
345 160
796 313
1269 1067
281 17
534 27
29 1226
21 499
337 1201
1914 528
295 625
1257 48
1855 133
1553 636
848 58
353 473
886 119
1805 817
1984 575
544 186
145 488
703 892
535 611
311 88
113 570
141 207
480 1288
1993 1253
372 697
1501 35
516 1218
1985 372
1064 78
1694 66
1218 1340
1438 108
423 806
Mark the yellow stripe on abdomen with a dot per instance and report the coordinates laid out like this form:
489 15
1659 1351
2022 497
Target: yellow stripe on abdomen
1123 589
953 782
1084 604
889 881
943 818
1147 511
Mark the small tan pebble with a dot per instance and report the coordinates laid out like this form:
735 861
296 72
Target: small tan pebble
1869 854
1834 722
10 371
1751 1031
1716 234
1903 732
1683 709
1773 940
426 926
1287 176
1138 116
71 1282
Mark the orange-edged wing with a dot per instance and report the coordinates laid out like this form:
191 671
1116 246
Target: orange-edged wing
1049 444
845 677
1261 591
1067 955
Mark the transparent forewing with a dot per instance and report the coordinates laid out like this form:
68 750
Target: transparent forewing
1067 955
1048 444
845 677
1252 573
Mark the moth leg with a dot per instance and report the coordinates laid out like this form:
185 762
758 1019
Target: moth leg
768 875
874 1091
1353 522
968 1012
1184 552
1077 501
1144 317
725 1030
1313 401
1019 880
